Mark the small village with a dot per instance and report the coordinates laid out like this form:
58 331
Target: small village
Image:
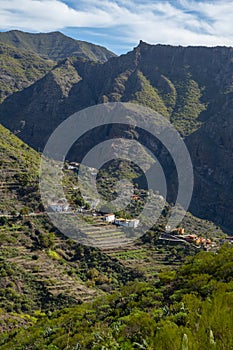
194 239
116 175
62 206
90 211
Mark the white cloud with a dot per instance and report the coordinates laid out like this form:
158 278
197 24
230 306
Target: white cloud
191 23
44 15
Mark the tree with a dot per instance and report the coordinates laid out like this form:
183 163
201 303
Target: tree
24 211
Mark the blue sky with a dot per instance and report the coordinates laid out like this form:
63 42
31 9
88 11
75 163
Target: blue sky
120 24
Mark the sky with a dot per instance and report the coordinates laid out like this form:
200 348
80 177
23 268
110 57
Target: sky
119 25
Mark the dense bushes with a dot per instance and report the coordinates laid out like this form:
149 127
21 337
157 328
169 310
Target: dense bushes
192 309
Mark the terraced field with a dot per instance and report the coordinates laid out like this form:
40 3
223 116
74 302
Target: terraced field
51 273
19 173
104 235
41 267
146 259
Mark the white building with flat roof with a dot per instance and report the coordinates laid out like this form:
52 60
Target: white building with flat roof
127 222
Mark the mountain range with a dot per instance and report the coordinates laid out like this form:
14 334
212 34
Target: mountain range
26 57
55 45
192 86
161 291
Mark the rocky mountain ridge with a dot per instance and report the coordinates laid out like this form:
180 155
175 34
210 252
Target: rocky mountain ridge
55 45
27 57
191 86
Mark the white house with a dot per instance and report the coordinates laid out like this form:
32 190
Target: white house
59 206
127 222
109 217
132 223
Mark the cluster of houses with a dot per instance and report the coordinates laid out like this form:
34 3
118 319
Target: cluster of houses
133 223
62 206
192 238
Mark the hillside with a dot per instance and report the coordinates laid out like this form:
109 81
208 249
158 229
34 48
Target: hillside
55 45
18 174
89 285
19 68
40 269
189 308
37 258
49 283
191 86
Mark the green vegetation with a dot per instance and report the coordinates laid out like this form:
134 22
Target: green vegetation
169 95
181 100
19 175
190 308
55 45
66 75
45 270
188 106
60 295
149 96
19 69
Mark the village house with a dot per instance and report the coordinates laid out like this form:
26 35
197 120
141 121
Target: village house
109 217
60 206
73 166
179 231
127 222
193 238
204 241
190 238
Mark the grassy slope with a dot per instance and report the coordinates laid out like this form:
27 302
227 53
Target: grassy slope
40 268
181 104
50 267
19 173
191 308
42 272
19 68
55 45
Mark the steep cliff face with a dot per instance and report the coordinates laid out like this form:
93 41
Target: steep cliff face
191 86
211 149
